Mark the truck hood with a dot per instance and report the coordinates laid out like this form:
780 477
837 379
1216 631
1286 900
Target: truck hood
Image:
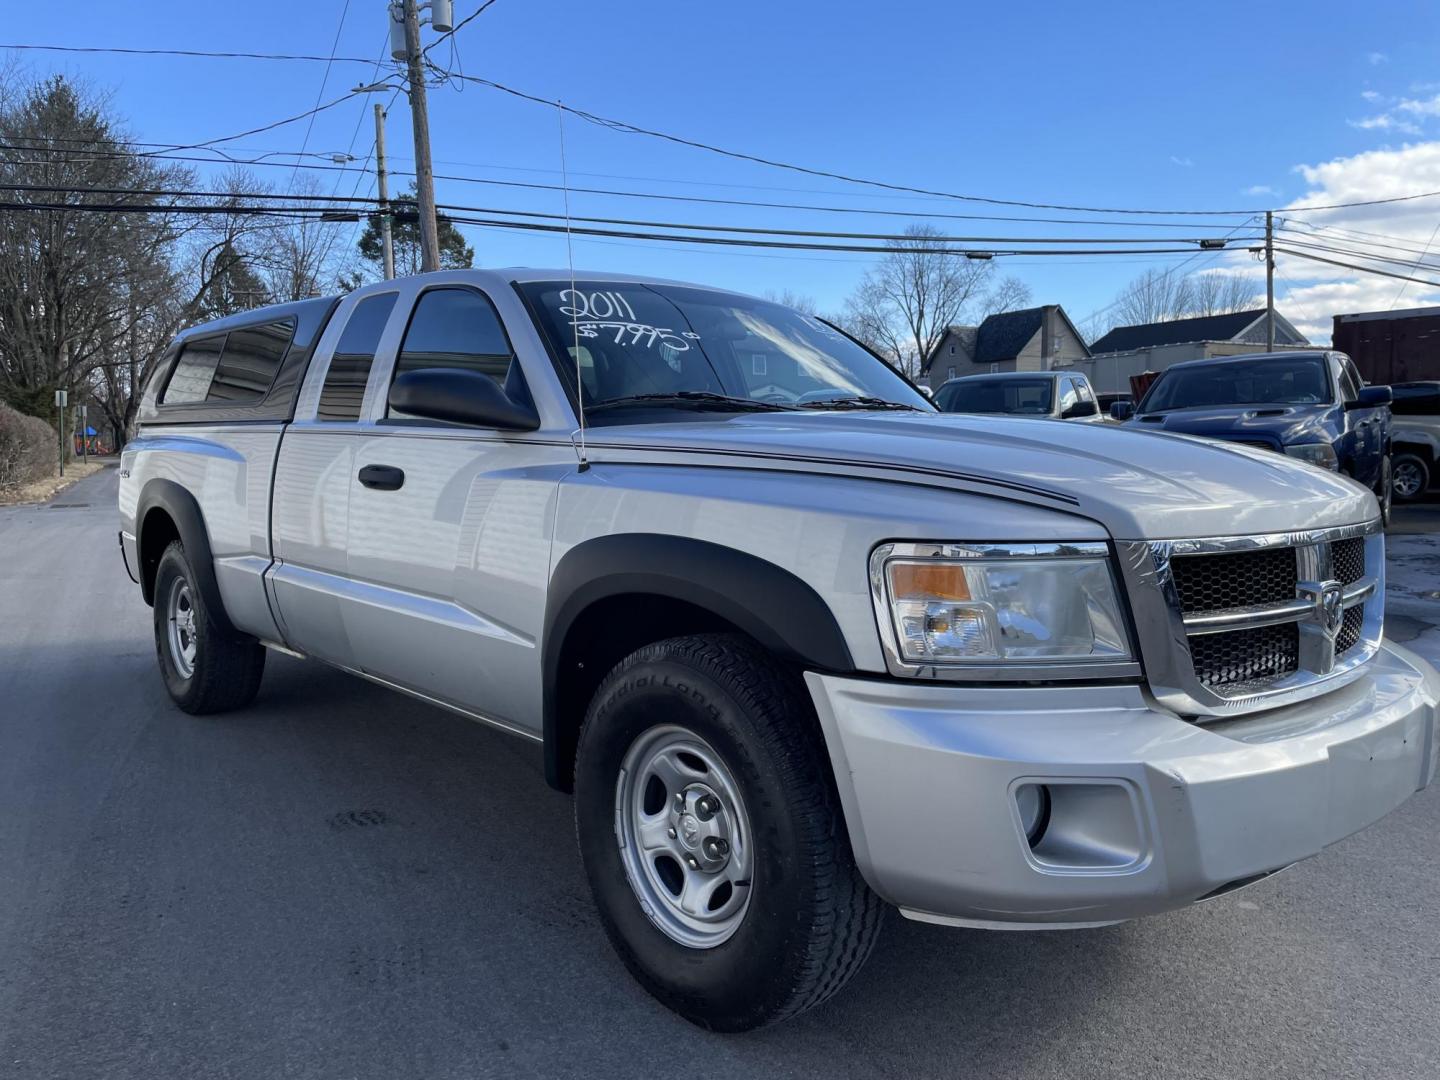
1282 424
1141 485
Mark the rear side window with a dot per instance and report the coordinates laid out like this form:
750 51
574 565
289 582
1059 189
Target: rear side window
249 361
194 371
344 389
234 368
455 328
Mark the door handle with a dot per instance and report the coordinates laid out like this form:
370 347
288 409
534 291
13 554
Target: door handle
382 477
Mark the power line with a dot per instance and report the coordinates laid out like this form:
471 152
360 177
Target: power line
919 242
459 26
705 200
1401 291
1361 269
204 54
320 94
635 129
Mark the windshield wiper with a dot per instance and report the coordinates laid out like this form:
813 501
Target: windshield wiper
699 399
857 402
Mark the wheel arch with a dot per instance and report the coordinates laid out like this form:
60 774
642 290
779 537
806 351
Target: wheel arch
167 512
614 594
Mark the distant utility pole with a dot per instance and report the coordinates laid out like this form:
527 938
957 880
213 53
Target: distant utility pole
383 190
420 122
1269 281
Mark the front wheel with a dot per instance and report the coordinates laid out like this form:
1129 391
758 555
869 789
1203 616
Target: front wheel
1410 477
713 838
206 669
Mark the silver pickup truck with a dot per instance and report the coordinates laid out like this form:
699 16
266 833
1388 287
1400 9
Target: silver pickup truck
801 646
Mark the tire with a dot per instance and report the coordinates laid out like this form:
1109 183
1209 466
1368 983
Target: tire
807 920
1409 477
205 669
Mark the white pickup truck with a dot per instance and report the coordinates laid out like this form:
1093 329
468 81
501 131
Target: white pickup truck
801 646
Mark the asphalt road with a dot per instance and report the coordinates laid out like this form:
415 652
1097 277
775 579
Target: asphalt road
339 882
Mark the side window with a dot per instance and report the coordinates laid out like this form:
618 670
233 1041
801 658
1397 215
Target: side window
1068 397
1083 386
194 371
344 389
455 328
1349 388
249 361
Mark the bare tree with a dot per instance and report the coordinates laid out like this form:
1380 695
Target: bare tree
1163 296
69 277
802 303
1009 294
904 305
1220 292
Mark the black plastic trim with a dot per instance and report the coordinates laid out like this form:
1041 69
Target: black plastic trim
184 511
772 605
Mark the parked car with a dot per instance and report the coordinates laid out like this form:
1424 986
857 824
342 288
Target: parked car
1053 395
797 660
1415 438
1309 405
1107 402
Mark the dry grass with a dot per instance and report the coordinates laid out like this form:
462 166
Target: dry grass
43 490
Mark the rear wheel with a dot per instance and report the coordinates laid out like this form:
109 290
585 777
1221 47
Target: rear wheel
206 669
1410 477
713 838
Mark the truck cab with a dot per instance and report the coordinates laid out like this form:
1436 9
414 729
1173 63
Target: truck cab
1312 406
1051 395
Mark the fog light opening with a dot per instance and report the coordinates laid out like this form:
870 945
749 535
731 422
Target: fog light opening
1033 802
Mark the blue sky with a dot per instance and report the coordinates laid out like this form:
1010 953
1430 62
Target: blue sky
1127 105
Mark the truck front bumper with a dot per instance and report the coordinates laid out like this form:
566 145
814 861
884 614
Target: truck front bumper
1145 812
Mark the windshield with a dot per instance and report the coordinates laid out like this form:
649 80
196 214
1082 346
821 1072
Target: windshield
1023 397
1266 381
705 346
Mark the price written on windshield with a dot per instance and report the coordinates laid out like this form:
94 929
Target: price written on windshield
593 312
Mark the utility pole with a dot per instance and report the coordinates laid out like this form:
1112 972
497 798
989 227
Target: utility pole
1269 281
62 399
383 190
420 122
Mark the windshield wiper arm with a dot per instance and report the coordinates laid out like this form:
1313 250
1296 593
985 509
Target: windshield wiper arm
700 399
858 402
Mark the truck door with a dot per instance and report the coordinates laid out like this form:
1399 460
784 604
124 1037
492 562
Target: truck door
1364 428
449 528
310 505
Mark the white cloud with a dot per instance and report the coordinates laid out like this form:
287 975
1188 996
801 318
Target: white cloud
1311 293
1259 189
1377 58
1385 122
1183 162
1427 107
1370 95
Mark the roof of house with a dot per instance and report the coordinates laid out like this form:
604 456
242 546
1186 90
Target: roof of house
1003 336
1178 331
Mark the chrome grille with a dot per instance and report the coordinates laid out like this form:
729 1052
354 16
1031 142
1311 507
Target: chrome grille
1234 580
1231 624
1347 560
1246 656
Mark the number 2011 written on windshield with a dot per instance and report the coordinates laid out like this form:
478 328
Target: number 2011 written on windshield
607 310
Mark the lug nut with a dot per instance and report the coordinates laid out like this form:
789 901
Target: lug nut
679 801
716 847
707 807
692 862
670 833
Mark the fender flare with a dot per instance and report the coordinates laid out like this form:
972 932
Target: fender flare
184 511
765 601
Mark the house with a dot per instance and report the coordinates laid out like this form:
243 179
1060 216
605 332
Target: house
1130 350
1391 346
1032 339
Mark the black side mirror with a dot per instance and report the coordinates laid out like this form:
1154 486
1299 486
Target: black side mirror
1122 410
460 397
1371 397
1079 409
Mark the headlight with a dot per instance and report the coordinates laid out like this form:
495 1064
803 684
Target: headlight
950 604
1316 453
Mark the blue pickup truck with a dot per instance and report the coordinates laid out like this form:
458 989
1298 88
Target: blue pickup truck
1309 405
